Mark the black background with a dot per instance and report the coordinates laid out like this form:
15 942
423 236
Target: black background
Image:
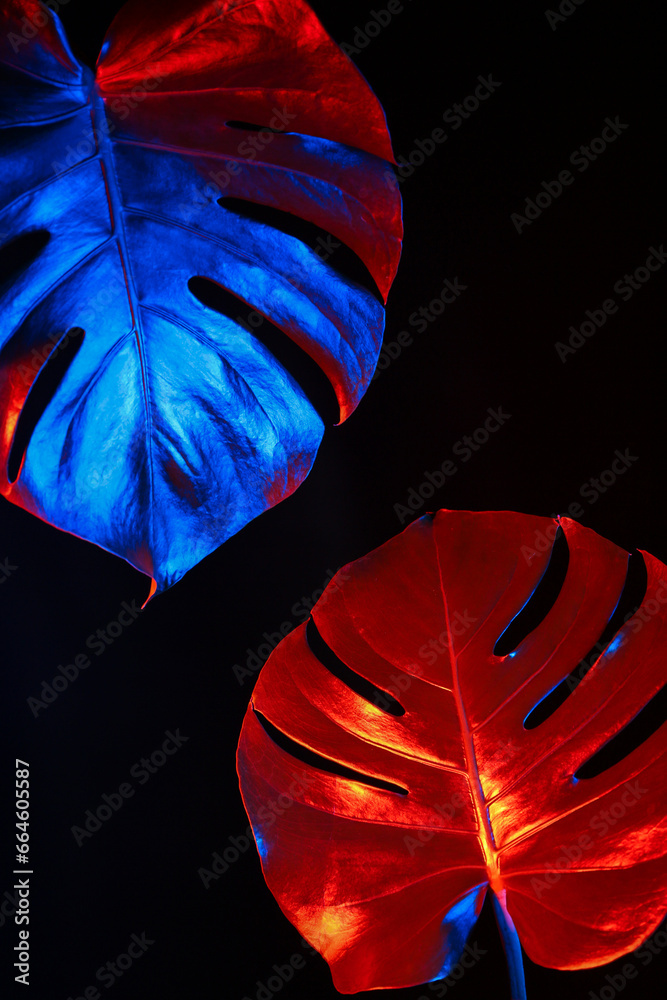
494 347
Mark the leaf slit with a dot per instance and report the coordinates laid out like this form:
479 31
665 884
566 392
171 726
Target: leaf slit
296 361
540 602
253 127
41 392
646 722
17 254
313 759
327 247
629 601
364 688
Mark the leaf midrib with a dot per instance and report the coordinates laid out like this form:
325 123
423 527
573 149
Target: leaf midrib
485 831
116 214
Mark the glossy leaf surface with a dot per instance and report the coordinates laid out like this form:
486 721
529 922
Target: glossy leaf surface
384 867
174 424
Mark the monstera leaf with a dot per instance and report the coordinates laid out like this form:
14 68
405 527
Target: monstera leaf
426 789
129 192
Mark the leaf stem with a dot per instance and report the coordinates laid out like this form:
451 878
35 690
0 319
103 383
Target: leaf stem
511 944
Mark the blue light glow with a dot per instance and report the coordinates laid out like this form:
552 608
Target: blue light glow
262 846
614 645
174 426
456 927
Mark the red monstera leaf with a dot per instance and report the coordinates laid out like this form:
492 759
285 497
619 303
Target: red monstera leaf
422 787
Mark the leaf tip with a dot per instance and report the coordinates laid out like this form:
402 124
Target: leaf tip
151 593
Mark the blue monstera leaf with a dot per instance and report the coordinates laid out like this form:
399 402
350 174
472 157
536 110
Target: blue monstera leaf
129 210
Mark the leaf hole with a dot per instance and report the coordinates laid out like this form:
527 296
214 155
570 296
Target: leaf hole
634 733
313 759
20 252
629 601
328 248
297 362
540 602
364 688
42 390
